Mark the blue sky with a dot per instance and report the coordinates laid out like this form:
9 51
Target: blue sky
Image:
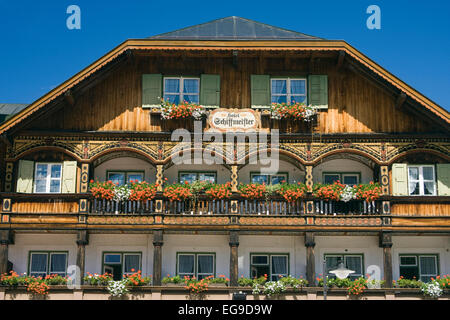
38 52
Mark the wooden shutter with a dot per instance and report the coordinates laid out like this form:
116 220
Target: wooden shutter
151 90
25 176
210 90
399 179
260 90
69 177
443 179
318 91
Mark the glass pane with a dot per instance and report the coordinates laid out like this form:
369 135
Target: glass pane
260 178
41 171
350 180
259 271
117 177
279 87
428 188
298 87
171 85
58 263
131 263
172 98
279 265
428 266
55 185
279 99
210 177
300 99
41 186
333 262
190 98
189 177
330 178
185 263
426 278
414 187
135 177
408 261
428 173
354 263
278 179
113 258
56 171
39 262
205 264
190 86
260 260
409 272
413 173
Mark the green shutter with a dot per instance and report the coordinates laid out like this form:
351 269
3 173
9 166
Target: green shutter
151 90
25 176
318 91
69 177
399 179
210 90
260 89
443 177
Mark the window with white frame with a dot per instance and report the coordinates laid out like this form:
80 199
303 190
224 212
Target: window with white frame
420 267
122 177
268 179
200 265
179 89
421 180
190 177
274 266
350 178
47 177
43 263
351 261
288 90
120 263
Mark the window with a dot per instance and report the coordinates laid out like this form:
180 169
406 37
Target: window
179 89
200 265
421 180
421 267
197 176
350 178
43 263
351 261
274 265
119 264
268 179
47 177
288 90
119 177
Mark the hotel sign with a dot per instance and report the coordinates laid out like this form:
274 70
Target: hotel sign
238 120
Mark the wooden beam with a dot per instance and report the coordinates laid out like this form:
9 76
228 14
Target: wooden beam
311 63
400 100
70 99
235 58
340 60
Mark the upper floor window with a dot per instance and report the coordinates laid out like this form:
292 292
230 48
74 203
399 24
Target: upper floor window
200 265
351 261
421 180
119 264
268 179
348 178
288 90
179 89
421 267
197 176
122 177
272 265
47 178
43 263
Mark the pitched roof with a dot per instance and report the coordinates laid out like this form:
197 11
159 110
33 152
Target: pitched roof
233 28
7 110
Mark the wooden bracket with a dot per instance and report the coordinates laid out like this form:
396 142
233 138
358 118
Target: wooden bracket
400 100
340 60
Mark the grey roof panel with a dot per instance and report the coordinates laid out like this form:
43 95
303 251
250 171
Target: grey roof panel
233 28
11 108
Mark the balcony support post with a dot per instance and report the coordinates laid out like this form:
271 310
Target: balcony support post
9 168
82 241
310 258
234 178
159 176
309 177
234 245
6 238
386 244
157 256
384 179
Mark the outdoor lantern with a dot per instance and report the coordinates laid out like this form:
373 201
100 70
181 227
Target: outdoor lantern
342 272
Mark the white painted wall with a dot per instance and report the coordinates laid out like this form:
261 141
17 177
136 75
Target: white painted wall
421 244
294 173
126 163
24 243
218 244
368 246
293 245
223 174
343 165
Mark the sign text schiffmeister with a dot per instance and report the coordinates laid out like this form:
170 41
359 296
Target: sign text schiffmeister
234 120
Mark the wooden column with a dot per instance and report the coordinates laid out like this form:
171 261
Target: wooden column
386 244
6 238
82 242
9 176
234 178
384 179
159 176
234 245
310 259
309 177
157 256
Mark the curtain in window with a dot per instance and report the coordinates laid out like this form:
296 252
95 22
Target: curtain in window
58 263
131 261
186 264
38 264
279 265
206 264
354 263
429 187
428 265
332 263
